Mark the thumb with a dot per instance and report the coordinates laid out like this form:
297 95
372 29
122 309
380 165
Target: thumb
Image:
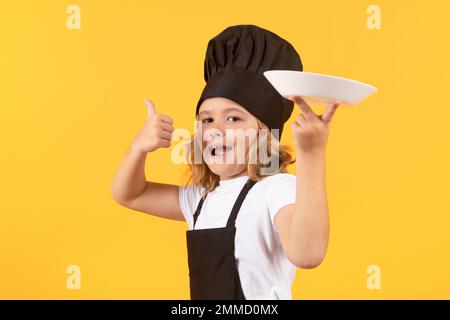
151 110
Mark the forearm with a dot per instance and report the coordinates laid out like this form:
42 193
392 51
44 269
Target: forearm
308 237
129 180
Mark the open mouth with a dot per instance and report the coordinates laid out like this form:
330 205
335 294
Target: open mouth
219 150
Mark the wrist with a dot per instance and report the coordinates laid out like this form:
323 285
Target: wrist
313 153
310 159
135 150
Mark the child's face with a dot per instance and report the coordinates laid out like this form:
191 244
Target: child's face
220 121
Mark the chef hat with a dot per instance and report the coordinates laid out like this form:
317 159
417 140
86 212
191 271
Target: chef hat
234 64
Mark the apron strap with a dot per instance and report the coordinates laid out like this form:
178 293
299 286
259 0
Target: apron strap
199 207
237 205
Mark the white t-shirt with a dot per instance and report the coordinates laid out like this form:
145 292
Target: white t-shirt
264 270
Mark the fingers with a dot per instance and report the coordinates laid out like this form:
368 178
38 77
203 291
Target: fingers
165 118
309 114
301 120
165 135
166 126
295 126
165 129
304 107
330 111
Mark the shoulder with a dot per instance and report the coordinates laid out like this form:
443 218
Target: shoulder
281 176
280 182
280 190
279 179
189 190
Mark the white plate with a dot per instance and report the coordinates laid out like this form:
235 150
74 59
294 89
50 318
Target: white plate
316 88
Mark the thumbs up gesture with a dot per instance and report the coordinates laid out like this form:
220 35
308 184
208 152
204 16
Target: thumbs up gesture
156 132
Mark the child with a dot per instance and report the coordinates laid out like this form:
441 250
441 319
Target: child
251 224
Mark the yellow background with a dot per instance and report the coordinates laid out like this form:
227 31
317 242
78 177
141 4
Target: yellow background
72 101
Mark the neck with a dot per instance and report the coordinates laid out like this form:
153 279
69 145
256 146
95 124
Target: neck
244 173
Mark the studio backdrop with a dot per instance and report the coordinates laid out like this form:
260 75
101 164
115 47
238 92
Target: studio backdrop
74 76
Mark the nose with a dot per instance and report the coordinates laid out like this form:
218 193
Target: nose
213 135
215 131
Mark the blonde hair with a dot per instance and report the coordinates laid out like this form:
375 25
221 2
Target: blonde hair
201 176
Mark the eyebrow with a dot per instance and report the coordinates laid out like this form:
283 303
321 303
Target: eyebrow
227 109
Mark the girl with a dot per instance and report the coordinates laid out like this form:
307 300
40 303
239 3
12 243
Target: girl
250 224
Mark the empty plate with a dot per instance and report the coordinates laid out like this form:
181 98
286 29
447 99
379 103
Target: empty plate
316 88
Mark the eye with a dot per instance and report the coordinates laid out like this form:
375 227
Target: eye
236 119
206 119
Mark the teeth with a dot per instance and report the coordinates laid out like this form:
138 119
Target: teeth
218 149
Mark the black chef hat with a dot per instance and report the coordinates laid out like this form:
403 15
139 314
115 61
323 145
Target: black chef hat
234 64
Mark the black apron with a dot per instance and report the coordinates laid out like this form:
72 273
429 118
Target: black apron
213 272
